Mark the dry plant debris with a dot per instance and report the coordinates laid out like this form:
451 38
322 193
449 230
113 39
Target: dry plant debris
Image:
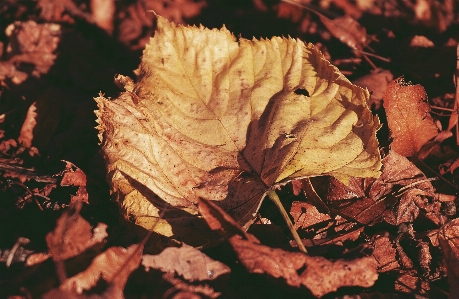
227 120
408 117
208 125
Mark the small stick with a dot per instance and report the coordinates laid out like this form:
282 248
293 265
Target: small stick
276 200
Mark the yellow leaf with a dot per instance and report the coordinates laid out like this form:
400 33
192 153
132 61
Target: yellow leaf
227 120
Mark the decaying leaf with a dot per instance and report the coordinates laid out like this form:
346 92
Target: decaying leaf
188 290
113 266
368 201
376 82
74 176
26 135
347 30
408 117
385 254
186 261
73 234
409 282
224 119
318 274
448 236
30 44
305 215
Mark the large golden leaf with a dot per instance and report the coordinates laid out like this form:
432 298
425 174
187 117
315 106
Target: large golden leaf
227 120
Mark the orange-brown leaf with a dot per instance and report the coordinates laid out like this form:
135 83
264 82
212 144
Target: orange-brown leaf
113 265
347 30
318 274
73 234
187 262
408 117
448 236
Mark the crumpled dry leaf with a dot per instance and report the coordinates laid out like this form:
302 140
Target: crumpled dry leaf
136 22
113 266
408 117
31 44
186 261
73 234
347 30
409 282
305 215
376 83
226 120
370 200
26 134
385 254
74 176
189 291
103 14
448 236
318 274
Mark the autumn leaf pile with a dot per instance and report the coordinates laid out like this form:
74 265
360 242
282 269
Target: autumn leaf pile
198 132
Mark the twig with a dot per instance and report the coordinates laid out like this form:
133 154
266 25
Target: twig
28 172
276 200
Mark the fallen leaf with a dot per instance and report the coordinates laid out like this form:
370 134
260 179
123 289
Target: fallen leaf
448 236
385 254
410 283
73 234
26 134
30 44
186 261
227 120
305 215
376 83
318 274
421 41
113 266
408 117
347 30
190 291
369 200
74 176
137 22
103 14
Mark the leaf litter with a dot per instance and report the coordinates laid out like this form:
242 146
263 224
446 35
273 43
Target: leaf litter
395 229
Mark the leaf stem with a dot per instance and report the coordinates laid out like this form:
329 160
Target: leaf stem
276 200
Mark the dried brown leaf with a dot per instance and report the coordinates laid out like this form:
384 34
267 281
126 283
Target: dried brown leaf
73 234
186 261
385 254
366 200
32 44
103 14
26 134
318 274
409 282
113 266
228 120
305 215
376 83
347 30
448 237
408 117
190 291
218 220
74 176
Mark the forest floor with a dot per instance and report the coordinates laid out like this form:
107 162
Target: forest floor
62 236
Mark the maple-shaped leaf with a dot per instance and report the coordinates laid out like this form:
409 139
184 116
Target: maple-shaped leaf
228 119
